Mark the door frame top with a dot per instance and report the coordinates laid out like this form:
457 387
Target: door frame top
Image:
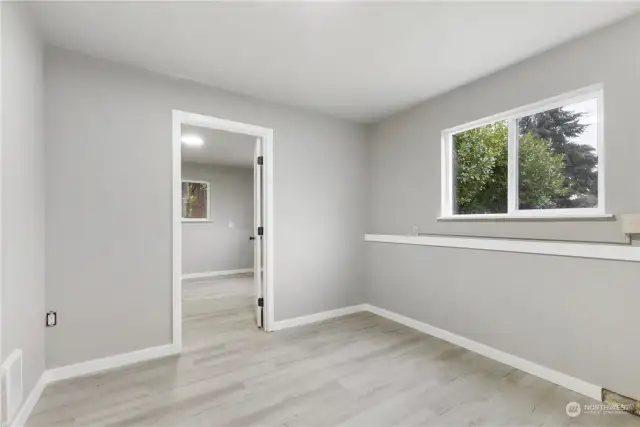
178 119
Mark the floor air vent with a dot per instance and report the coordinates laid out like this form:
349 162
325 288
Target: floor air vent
12 392
627 403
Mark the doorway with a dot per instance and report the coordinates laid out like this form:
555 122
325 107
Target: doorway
197 208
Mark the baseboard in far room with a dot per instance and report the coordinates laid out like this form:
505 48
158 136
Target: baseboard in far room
207 274
30 403
111 362
564 380
317 317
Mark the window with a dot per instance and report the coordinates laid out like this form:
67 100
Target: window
540 160
195 201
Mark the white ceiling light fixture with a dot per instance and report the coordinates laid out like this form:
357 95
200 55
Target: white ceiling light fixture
192 140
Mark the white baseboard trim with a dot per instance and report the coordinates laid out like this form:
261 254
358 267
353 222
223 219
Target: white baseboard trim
88 368
317 317
216 273
111 362
564 380
27 407
98 365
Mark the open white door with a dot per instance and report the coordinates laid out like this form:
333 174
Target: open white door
258 234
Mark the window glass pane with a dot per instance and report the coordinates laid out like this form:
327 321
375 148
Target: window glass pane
558 158
480 169
194 200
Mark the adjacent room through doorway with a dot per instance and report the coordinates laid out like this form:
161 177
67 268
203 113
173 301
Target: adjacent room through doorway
217 231
222 244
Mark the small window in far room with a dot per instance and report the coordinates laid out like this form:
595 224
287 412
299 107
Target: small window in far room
543 159
195 201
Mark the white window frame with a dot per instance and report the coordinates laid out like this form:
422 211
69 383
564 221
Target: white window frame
208 193
511 116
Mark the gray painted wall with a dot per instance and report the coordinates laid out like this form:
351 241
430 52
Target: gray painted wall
219 245
108 170
406 158
571 315
22 166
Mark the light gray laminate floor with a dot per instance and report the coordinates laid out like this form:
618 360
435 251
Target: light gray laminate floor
358 370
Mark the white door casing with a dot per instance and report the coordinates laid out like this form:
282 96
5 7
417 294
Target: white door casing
257 225
267 277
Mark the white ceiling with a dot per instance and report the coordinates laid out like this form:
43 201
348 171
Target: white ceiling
355 60
219 148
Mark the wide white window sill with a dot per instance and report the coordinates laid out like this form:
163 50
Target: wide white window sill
541 217
610 251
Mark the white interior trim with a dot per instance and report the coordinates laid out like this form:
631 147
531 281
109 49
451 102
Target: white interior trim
1 151
578 250
88 368
216 273
447 168
98 365
512 166
527 215
266 134
317 317
564 380
110 362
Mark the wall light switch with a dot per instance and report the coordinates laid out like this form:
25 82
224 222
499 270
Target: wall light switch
231 224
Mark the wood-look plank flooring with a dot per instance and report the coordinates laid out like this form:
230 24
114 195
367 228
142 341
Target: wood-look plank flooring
358 370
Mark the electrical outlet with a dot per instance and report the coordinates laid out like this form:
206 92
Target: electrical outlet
52 319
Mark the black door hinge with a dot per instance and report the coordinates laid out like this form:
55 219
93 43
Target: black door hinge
260 302
260 231
260 160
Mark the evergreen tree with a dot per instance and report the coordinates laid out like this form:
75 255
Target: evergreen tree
560 127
